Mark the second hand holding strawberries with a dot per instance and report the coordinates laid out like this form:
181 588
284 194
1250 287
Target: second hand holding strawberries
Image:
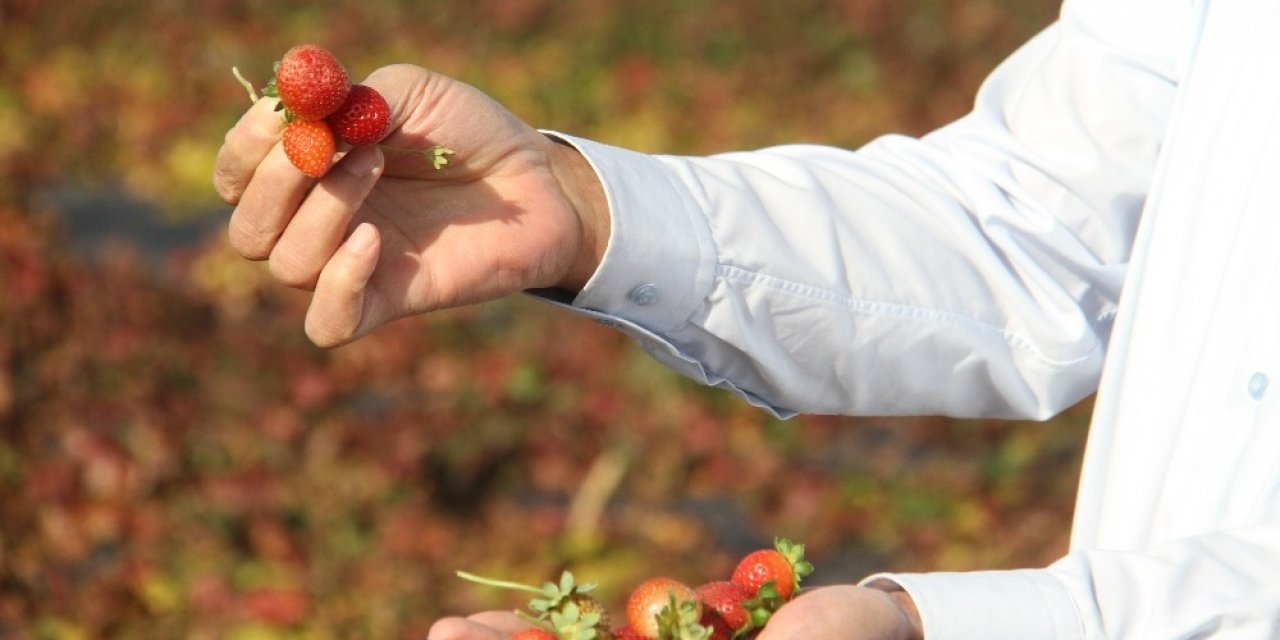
662 608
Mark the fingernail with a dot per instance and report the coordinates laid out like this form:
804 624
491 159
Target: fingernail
361 163
362 239
266 123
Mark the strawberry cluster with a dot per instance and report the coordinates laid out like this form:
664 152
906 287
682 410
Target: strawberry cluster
322 108
663 608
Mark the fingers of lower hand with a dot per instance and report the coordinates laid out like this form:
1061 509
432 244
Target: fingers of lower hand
490 625
463 629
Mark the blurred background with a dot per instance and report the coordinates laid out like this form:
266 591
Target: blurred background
176 460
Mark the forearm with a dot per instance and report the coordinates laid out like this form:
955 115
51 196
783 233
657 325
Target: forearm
975 271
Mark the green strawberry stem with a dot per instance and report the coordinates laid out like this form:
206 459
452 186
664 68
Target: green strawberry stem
437 155
533 620
681 621
248 86
501 584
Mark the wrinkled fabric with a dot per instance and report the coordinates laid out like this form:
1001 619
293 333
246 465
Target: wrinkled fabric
1106 219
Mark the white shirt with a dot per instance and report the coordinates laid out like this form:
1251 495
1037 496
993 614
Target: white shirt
1132 147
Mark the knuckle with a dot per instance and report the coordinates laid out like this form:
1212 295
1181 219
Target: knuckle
227 187
290 270
249 243
325 334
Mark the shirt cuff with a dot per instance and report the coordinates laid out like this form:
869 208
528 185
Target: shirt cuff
989 605
658 265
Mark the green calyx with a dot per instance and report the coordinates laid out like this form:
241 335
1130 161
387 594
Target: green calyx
682 620
554 604
761 607
794 553
571 623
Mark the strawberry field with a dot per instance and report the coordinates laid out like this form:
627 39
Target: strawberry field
176 460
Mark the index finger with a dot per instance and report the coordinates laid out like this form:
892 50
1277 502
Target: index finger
491 625
245 145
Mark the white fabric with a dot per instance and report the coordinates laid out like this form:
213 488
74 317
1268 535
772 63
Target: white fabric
979 271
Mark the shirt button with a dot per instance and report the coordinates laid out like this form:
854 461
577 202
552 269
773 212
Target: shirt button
645 294
1257 385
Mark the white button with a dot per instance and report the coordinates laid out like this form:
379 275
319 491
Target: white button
645 294
1258 385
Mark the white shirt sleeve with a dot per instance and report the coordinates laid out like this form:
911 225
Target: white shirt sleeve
970 272
1220 585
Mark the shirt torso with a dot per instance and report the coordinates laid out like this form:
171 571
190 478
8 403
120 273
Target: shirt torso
1186 437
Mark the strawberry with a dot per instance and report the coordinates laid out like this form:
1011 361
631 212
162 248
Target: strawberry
783 565
719 629
723 607
310 82
625 632
662 607
533 633
313 85
362 119
310 146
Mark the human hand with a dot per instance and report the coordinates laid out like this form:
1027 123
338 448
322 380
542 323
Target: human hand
384 235
844 612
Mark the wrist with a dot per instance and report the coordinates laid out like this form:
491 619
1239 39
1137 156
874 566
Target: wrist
907 607
585 196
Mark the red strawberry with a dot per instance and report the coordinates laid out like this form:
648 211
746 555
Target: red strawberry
533 633
311 82
363 119
656 598
310 146
719 629
723 606
625 632
783 565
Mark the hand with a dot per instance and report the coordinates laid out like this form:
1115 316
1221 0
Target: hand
489 625
843 612
384 235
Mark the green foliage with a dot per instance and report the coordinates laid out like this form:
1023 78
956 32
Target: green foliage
177 461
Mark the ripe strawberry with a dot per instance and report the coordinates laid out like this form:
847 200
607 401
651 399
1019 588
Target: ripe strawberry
625 632
310 146
660 602
533 633
719 629
310 81
783 565
362 119
723 607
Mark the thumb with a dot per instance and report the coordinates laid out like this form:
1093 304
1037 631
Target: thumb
339 310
